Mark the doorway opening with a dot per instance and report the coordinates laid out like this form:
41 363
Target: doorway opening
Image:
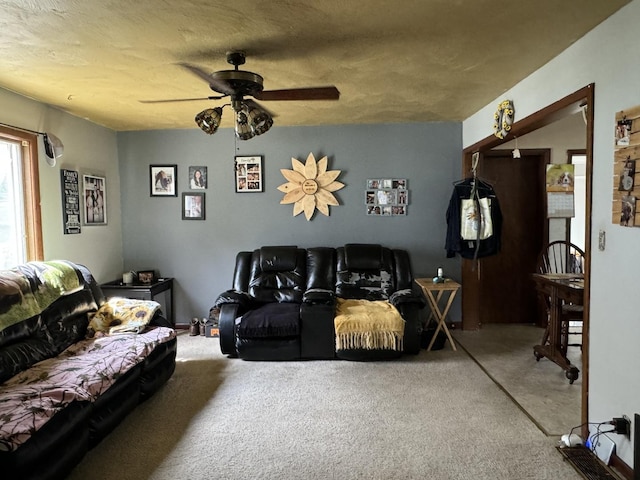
473 301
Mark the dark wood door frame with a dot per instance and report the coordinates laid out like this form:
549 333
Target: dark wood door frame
471 275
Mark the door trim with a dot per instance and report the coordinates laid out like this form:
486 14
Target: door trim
470 274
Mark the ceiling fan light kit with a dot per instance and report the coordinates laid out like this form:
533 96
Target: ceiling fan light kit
250 118
209 120
243 128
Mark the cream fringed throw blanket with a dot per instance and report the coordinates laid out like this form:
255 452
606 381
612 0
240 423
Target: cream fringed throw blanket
368 325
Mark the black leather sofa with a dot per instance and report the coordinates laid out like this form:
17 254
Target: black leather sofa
283 302
52 449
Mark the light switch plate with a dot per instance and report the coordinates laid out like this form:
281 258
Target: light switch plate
601 240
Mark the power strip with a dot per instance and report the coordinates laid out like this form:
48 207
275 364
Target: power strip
604 447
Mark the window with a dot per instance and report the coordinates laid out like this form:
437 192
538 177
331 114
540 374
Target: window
20 224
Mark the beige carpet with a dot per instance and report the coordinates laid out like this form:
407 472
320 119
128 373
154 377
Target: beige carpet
541 388
433 416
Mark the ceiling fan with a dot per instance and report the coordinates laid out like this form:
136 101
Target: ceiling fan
251 118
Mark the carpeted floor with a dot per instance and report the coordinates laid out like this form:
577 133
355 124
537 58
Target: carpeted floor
436 415
505 352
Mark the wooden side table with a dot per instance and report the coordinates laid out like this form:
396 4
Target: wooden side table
160 291
437 294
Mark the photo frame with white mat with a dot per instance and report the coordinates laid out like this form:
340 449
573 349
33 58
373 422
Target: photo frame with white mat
94 195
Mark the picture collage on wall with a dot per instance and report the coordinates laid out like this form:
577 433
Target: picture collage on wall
248 174
626 153
386 197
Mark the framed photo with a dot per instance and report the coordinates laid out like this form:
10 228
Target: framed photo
94 194
627 176
248 172
163 179
146 277
193 206
197 178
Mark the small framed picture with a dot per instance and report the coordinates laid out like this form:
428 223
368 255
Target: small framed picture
95 200
163 179
374 210
197 178
248 172
627 176
146 277
193 206
370 197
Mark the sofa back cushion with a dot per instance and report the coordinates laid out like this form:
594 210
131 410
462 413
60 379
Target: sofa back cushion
321 268
278 274
365 271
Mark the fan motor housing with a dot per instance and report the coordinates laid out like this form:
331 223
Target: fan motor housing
241 81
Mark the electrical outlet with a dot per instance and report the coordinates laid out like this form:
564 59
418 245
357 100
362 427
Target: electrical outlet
622 425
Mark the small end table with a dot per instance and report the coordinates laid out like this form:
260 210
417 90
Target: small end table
435 293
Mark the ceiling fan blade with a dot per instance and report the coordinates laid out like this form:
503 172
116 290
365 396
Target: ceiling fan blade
313 93
216 84
183 99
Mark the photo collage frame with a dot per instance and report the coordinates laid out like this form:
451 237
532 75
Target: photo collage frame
386 197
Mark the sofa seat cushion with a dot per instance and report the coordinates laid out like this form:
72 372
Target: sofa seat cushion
369 325
82 372
270 320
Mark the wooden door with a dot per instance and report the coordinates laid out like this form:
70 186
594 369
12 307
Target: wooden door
506 290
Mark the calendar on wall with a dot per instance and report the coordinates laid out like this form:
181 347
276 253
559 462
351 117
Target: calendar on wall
560 191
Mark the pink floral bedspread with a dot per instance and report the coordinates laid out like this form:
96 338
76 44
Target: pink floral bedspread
83 372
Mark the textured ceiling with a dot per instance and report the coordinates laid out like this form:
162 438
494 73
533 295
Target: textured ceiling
392 61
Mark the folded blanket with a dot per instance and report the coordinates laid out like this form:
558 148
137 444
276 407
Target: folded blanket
122 315
365 324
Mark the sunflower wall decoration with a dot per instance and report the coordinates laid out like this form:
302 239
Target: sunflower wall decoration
310 186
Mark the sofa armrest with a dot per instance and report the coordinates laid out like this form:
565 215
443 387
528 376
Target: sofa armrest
160 320
315 296
406 296
233 297
227 326
409 304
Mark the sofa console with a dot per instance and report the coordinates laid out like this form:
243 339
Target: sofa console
72 365
355 302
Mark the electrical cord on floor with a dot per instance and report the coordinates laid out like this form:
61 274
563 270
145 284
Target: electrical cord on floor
589 441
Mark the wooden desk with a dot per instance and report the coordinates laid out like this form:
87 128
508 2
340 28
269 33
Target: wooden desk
435 293
560 288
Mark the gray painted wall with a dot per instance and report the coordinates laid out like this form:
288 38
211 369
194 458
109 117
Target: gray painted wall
200 255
